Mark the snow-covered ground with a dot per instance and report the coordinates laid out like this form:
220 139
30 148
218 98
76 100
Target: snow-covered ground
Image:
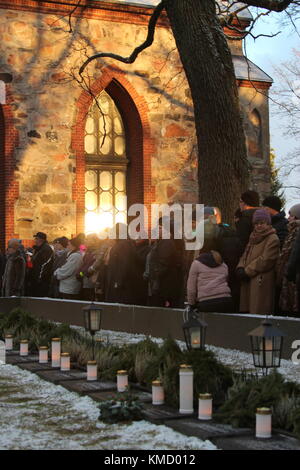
35 414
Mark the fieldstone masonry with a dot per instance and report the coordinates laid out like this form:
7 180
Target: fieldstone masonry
43 55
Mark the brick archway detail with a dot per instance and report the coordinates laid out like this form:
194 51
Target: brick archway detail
139 143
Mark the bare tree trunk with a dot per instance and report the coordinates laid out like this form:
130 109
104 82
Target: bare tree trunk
206 58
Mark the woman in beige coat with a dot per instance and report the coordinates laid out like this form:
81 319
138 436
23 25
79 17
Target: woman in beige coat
256 268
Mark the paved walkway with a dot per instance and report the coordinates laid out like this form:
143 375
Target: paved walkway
225 437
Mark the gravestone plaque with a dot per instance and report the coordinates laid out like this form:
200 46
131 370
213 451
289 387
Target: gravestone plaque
16 359
83 387
144 397
56 375
161 413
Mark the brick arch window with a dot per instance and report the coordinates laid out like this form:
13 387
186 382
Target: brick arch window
254 134
139 145
105 165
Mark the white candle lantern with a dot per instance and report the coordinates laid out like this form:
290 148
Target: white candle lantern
43 354
186 376
8 342
24 347
122 380
205 406
65 361
92 370
263 423
158 394
55 352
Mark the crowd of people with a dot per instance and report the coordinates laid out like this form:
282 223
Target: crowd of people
252 267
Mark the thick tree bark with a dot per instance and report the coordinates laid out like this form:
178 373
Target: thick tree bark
223 167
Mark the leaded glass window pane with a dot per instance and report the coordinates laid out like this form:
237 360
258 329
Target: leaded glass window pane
106 165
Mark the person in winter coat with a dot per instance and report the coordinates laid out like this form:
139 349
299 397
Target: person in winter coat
60 257
121 270
92 243
273 205
42 262
14 274
69 285
207 286
256 268
293 268
249 203
227 243
286 276
164 271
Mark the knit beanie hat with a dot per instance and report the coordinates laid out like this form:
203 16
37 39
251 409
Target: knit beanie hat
295 211
261 215
251 198
274 202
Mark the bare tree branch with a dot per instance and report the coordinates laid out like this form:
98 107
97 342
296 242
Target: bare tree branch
129 60
272 5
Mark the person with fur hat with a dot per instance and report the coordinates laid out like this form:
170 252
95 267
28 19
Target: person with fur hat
256 268
273 205
69 285
14 273
286 284
249 203
207 285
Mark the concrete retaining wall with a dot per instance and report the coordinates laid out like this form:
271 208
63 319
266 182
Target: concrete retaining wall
224 330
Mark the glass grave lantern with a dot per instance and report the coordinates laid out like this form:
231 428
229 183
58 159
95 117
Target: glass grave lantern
266 345
92 321
194 333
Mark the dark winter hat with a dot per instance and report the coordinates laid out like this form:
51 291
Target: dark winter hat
251 198
75 242
261 215
63 241
295 211
40 235
274 202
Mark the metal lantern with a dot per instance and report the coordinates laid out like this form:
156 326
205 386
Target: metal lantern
194 333
266 344
92 318
92 321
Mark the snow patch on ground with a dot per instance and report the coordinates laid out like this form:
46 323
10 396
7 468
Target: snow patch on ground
37 415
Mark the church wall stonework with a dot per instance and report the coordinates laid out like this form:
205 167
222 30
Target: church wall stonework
43 56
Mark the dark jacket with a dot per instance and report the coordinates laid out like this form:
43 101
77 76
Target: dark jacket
60 257
14 275
165 273
41 272
293 266
280 223
121 273
244 227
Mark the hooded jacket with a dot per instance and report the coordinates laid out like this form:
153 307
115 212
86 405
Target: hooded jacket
207 279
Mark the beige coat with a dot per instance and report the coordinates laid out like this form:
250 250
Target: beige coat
257 295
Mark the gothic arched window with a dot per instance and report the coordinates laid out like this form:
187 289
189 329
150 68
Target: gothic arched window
254 135
106 165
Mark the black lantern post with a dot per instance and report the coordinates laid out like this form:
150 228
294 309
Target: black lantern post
266 345
92 321
194 333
